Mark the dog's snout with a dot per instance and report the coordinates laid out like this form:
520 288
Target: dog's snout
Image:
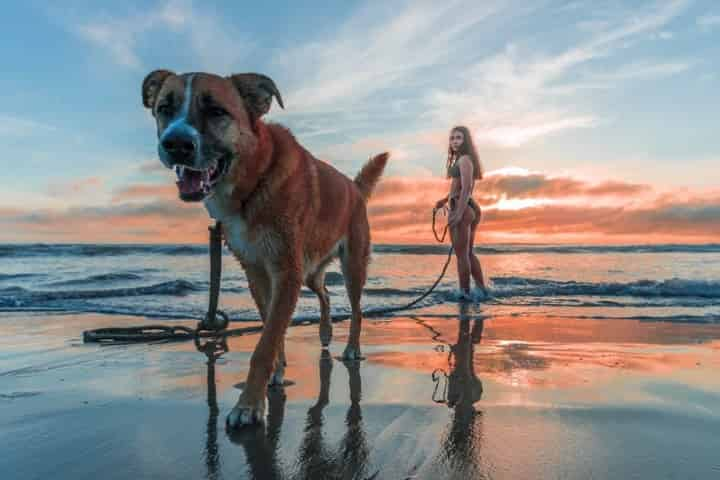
180 147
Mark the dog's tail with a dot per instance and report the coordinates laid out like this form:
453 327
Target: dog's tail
370 174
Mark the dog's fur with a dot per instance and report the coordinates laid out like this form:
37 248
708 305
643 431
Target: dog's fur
286 215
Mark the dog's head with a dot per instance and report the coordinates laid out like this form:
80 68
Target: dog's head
207 125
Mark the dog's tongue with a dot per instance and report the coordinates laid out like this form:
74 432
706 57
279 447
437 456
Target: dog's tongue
190 181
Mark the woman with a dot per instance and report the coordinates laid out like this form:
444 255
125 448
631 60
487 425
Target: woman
463 168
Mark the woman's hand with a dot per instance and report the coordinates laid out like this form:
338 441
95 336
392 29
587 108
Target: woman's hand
440 203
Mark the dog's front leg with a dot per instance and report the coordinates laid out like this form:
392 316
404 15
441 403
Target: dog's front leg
261 291
250 407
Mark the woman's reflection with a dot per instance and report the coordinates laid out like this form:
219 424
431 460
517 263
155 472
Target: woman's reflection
459 452
461 442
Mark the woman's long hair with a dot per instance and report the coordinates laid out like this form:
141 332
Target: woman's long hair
467 148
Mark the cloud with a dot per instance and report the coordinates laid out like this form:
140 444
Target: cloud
118 38
523 207
398 192
379 48
11 126
150 222
643 69
539 207
213 44
398 77
74 188
145 192
678 221
152 166
512 97
519 133
708 22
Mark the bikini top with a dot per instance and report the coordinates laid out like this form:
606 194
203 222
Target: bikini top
454 170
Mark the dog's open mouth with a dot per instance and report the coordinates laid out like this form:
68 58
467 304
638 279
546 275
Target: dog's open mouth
194 185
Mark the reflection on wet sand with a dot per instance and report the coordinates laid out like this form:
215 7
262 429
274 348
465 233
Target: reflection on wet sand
318 458
459 359
315 459
459 451
213 349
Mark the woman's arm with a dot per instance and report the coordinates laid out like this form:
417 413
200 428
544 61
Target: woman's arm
466 181
441 203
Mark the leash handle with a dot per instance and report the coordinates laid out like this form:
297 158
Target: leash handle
445 230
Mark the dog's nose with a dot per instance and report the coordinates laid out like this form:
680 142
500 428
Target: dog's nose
180 147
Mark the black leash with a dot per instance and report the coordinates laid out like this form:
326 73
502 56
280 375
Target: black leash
210 326
215 270
445 230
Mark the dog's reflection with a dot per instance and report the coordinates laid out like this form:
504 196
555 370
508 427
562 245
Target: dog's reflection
261 456
316 458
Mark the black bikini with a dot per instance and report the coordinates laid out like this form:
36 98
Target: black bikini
454 172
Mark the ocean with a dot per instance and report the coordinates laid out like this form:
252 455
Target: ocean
675 283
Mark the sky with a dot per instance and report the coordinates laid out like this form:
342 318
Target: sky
596 122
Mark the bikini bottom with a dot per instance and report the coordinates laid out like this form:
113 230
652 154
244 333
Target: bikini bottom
473 204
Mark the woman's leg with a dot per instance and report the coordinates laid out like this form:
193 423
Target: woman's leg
475 268
460 236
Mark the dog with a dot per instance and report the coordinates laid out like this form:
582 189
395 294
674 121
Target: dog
285 214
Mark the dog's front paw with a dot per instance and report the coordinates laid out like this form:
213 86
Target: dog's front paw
245 415
352 353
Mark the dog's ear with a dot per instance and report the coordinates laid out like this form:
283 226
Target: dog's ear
151 86
258 91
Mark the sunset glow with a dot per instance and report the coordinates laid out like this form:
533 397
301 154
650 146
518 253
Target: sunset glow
573 107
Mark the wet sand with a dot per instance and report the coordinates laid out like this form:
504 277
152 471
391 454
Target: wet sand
437 397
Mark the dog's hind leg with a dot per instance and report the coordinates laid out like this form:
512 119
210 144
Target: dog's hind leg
354 260
316 283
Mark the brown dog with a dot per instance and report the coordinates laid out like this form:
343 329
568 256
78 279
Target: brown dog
286 215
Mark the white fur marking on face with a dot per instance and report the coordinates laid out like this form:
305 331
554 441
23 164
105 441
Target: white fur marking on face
179 125
185 108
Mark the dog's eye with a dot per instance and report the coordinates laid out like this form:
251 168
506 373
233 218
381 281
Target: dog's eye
165 109
215 111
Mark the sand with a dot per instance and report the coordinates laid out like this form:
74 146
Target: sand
437 397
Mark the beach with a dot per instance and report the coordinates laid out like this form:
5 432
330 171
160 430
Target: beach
438 396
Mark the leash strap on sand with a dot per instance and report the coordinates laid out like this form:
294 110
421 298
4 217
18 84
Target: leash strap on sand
159 333
147 333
